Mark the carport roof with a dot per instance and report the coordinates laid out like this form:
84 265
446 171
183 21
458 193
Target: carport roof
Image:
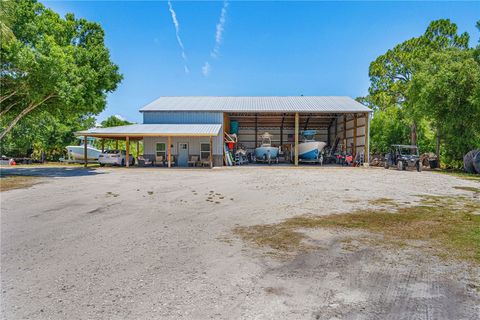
156 130
321 104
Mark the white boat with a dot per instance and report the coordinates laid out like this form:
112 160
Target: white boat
266 153
310 150
76 153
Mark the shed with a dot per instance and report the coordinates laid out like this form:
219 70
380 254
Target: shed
192 122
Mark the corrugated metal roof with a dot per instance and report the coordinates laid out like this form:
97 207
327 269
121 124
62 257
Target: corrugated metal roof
330 104
155 129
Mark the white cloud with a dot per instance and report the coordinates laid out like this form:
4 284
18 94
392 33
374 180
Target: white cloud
206 69
119 117
177 34
219 30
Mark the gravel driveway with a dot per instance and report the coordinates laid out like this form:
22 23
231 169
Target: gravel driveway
135 243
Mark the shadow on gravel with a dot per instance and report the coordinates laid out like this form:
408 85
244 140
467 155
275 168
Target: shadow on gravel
49 172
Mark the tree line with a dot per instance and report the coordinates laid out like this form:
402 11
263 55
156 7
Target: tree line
426 91
55 76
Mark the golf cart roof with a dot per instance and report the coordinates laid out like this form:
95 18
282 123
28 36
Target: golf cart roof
404 146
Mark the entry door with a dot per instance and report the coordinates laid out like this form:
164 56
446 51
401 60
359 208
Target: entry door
183 154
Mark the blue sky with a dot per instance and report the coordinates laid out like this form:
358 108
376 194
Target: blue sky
263 48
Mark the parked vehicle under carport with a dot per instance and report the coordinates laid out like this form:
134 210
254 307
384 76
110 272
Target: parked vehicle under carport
115 157
403 157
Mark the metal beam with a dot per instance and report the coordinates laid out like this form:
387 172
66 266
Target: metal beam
281 130
297 120
328 131
336 128
328 136
256 131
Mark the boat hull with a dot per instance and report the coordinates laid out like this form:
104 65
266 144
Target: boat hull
310 150
263 153
77 153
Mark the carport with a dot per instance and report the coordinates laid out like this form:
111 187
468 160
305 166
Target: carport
138 132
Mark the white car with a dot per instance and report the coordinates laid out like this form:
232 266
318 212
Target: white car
114 157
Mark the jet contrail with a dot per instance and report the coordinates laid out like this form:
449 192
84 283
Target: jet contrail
177 34
218 38
206 69
219 30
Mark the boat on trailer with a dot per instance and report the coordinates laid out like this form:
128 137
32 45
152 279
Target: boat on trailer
310 150
266 152
76 153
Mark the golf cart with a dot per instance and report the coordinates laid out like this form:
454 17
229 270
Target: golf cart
403 156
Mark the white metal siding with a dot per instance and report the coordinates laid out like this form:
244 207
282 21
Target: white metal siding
174 117
193 144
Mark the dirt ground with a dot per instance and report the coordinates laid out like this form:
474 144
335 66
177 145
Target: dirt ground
134 243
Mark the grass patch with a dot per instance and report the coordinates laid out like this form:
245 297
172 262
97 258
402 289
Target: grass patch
17 182
450 226
472 189
461 174
383 202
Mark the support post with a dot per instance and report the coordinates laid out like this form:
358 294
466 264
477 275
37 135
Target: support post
85 151
345 133
211 152
127 155
256 131
116 144
328 136
328 132
354 151
297 123
281 130
336 128
169 152
366 148
103 145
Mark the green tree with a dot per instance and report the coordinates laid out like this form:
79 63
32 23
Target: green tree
391 73
446 90
387 127
6 33
52 65
43 136
114 121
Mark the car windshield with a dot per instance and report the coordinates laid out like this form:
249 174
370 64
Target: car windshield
408 151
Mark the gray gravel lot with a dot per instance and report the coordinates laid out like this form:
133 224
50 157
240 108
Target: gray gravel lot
118 243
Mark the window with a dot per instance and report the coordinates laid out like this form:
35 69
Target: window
160 149
204 151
